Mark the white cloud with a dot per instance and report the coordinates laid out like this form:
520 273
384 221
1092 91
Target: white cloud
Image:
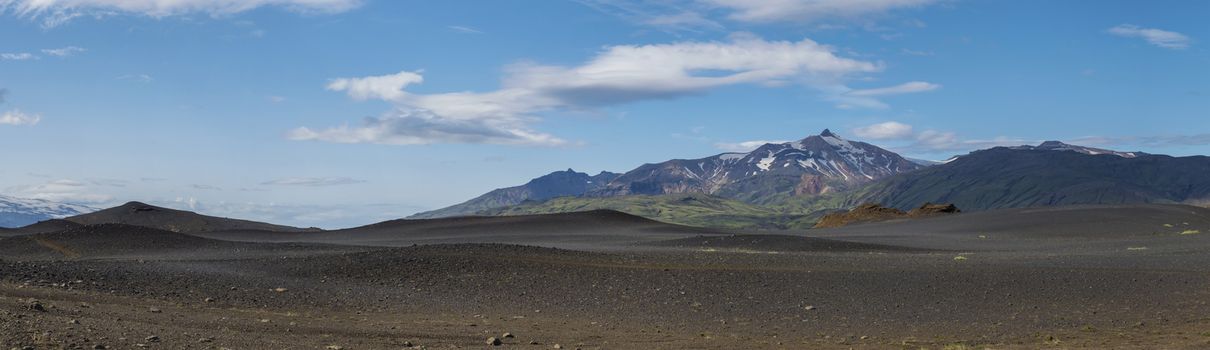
57 12
385 87
905 88
744 146
64 190
802 11
16 117
671 16
931 141
17 56
846 98
142 78
314 181
64 51
884 131
465 30
1157 37
617 75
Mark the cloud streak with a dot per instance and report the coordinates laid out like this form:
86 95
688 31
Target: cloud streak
64 51
18 118
313 181
1157 37
807 11
53 13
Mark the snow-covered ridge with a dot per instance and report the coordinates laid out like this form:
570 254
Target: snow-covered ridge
1060 146
16 212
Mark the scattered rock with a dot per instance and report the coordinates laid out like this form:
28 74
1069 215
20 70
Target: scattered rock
493 341
74 322
280 290
557 346
408 344
99 347
205 340
154 310
809 307
152 339
507 335
36 306
334 347
209 300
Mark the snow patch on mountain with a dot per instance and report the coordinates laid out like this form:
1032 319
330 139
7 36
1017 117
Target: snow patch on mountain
17 212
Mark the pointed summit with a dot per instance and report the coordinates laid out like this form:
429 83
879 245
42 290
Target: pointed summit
827 133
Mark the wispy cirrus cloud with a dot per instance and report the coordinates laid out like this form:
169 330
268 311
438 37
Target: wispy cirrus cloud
700 15
806 11
62 190
743 146
64 51
313 181
54 13
616 75
19 118
465 30
17 56
890 130
1158 37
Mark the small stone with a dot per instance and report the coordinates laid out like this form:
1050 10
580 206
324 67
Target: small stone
507 335
152 339
407 344
74 322
809 307
493 341
557 346
205 340
154 310
99 347
209 300
36 306
280 290
334 347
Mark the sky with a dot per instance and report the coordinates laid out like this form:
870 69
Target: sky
336 113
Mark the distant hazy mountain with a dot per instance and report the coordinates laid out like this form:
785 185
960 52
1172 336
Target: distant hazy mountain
1049 174
556 184
18 212
819 164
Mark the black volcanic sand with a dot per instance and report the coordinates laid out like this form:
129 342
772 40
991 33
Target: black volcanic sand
768 291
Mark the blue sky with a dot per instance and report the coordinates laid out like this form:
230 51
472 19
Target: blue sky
342 112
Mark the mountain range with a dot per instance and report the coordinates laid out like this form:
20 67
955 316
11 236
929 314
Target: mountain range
819 164
17 212
789 185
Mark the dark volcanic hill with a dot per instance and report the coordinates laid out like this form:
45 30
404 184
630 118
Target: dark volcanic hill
817 164
556 184
1047 175
139 214
594 229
